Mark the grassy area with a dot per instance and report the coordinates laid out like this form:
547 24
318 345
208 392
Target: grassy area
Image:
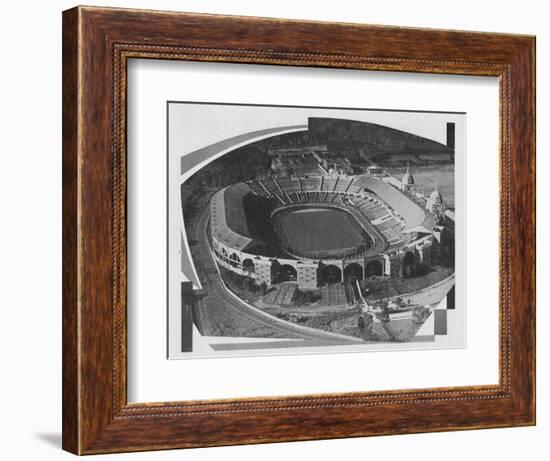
243 287
411 285
223 322
334 322
425 177
376 288
403 329
328 229
369 332
194 201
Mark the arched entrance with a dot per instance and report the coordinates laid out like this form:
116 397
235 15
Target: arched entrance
286 273
353 271
330 274
234 260
409 263
373 268
248 266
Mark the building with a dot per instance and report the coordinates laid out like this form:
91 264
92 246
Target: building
407 182
435 203
402 231
374 170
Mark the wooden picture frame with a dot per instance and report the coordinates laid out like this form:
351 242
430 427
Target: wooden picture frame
97 43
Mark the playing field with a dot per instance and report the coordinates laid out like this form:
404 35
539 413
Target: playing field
314 232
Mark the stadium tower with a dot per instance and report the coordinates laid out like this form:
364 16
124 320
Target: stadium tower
435 203
407 182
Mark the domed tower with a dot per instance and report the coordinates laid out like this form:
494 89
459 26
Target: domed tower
435 203
407 182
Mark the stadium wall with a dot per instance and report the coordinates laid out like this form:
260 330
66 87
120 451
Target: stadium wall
381 260
308 272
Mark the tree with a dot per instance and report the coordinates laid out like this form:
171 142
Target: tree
248 285
263 288
300 297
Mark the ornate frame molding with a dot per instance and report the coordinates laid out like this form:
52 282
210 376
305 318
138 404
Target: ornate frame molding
97 43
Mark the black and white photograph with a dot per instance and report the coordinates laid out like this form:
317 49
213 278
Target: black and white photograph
312 229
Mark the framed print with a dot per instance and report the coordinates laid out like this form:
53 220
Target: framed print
328 246
282 230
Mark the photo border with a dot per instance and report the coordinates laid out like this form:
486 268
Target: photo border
359 348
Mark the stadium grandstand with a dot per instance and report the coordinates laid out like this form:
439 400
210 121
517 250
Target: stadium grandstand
308 228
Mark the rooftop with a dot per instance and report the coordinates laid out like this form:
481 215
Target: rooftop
228 221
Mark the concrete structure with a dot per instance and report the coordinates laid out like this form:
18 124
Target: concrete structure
407 182
406 236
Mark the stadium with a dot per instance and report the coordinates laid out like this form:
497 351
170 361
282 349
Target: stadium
328 228
329 231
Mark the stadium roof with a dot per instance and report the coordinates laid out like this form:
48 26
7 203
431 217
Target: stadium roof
412 214
228 222
419 229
